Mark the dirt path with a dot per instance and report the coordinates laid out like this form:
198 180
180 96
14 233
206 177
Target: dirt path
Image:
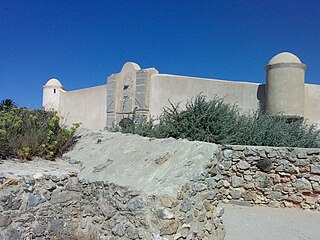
263 223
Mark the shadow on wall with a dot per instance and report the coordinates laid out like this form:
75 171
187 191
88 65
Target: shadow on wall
261 97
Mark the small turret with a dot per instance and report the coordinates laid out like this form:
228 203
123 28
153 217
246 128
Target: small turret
285 86
51 94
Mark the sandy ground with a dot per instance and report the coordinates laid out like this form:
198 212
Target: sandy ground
18 168
154 166
263 223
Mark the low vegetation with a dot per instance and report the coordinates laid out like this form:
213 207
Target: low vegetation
217 122
27 133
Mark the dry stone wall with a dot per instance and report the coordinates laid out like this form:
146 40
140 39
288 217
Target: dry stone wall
277 177
51 207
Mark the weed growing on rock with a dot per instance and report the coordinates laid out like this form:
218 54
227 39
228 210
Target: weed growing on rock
218 122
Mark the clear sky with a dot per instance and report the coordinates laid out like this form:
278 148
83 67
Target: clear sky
83 42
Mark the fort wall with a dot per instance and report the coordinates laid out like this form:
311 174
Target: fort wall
312 103
179 89
86 106
146 92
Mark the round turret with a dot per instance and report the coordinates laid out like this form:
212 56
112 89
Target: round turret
285 85
53 82
51 94
284 57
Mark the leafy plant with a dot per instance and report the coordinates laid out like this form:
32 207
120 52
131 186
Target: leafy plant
26 133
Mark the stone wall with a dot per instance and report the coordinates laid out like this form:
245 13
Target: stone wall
55 204
51 207
277 177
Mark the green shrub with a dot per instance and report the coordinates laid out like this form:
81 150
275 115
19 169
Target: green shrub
26 133
215 121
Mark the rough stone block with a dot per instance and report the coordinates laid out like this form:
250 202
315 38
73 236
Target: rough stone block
315 168
237 181
303 184
265 165
243 165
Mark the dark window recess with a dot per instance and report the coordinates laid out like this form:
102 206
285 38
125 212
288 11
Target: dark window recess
54 90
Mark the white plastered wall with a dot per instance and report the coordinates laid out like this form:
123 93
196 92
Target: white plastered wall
87 106
248 96
312 104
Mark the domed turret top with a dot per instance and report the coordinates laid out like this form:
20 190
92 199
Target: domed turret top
284 57
53 82
130 66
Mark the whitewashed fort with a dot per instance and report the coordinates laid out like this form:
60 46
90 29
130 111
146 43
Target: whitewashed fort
146 91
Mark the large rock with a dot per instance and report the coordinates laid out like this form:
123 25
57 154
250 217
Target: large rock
73 184
108 211
237 181
165 214
169 228
5 220
185 205
235 193
315 168
243 165
263 180
228 153
199 187
265 165
119 229
289 168
303 184
35 200
65 196
168 201
135 203
56 226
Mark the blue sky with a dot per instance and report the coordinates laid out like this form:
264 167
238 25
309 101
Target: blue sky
83 42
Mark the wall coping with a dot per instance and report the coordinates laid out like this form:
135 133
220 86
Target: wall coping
284 65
